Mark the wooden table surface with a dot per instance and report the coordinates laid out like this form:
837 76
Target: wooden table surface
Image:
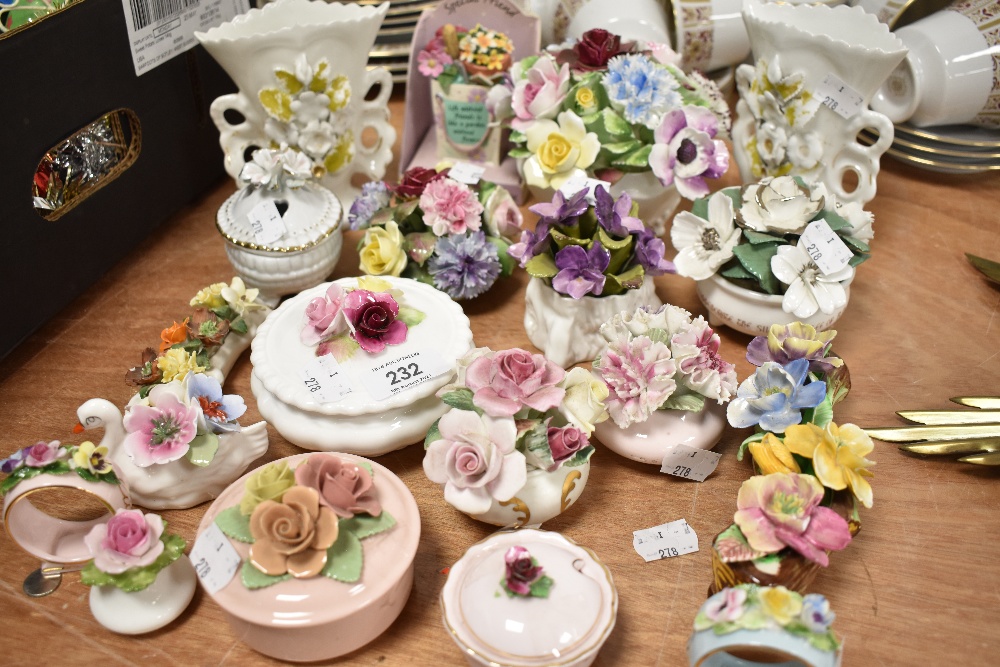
919 585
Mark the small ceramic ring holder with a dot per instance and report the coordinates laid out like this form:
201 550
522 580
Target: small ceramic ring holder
57 542
565 627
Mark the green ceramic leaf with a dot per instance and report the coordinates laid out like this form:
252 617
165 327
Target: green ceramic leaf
507 262
824 642
518 137
582 456
757 237
699 207
225 312
203 449
858 259
684 400
519 153
536 446
136 578
621 147
433 434
756 437
345 558
736 272
239 325
838 384
835 220
341 346
459 398
254 578
756 259
409 316
658 335
770 564
562 240
446 78
234 524
823 413
541 266
631 279
365 525
857 245
379 219
636 160
109 477
614 125
540 589
367 466
419 246
620 250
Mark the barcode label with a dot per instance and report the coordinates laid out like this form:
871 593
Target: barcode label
145 12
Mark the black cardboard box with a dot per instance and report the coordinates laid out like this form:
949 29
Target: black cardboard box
63 73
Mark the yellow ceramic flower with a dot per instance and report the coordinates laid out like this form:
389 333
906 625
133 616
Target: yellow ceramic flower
771 455
780 604
240 298
585 98
89 456
584 403
559 150
374 284
176 363
268 483
209 297
838 455
382 251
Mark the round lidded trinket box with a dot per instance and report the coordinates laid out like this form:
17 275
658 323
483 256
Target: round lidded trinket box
529 597
384 347
302 256
336 589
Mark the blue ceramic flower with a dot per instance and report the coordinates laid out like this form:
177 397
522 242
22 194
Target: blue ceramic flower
374 196
816 614
220 411
464 265
775 396
642 89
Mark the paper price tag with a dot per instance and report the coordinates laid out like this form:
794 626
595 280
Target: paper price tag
827 250
397 374
266 223
215 560
579 182
669 540
325 379
841 98
466 172
690 462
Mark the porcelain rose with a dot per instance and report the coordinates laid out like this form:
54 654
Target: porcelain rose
540 93
780 205
129 539
292 536
509 380
344 487
559 150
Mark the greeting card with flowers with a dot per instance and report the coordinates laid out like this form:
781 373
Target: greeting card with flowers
306 521
437 230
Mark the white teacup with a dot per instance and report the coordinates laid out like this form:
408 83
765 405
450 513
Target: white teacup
948 74
632 19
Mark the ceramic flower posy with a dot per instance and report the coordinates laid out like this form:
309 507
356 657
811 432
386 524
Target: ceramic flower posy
459 55
369 318
661 359
437 230
750 607
87 460
307 521
277 169
753 237
129 551
597 249
523 576
180 419
187 346
511 412
605 107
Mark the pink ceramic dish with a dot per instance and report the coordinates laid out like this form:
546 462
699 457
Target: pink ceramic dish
648 441
302 620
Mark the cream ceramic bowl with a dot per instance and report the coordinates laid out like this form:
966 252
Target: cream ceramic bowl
566 629
302 620
649 441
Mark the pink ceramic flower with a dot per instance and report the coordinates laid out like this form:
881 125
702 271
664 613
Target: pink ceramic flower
540 93
476 460
450 207
373 319
686 151
565 442
639 373
43 453
129 539
509 380
431 63
780 510
324 316
521 572
160 432
344 487
726 606
702 369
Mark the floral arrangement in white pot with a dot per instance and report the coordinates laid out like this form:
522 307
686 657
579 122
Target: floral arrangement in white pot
779 237
516 438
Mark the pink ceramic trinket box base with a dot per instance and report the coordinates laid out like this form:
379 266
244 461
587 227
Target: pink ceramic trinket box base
648 442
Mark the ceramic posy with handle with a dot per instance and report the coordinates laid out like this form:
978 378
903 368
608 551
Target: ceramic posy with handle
300 66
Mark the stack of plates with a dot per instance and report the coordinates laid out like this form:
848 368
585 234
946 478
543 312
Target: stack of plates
950 149
392 47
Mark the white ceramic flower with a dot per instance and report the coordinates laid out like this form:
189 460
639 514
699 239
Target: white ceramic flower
309 106
317 139
297 167
583 405
263 169
861 221
559 150
780 205
239 297
705 245
809 289
804 150
772 144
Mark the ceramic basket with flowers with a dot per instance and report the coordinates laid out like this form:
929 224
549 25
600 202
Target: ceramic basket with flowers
437 230
463 64
814 473
514 448
613 108
772 252
588 262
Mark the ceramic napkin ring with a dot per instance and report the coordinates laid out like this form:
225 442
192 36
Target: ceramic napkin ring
33 471
750 625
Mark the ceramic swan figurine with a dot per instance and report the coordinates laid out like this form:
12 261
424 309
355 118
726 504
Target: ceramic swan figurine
178 484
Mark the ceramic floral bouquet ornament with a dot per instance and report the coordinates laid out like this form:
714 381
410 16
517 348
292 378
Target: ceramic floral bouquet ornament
771 252
437 230
463 64
306 522
769 622
666 381
139 577
514 448
579 251
605 107
524 577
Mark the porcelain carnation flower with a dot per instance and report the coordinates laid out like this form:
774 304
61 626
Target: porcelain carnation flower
639 373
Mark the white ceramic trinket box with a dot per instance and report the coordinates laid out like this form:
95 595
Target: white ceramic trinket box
493 626
404 376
